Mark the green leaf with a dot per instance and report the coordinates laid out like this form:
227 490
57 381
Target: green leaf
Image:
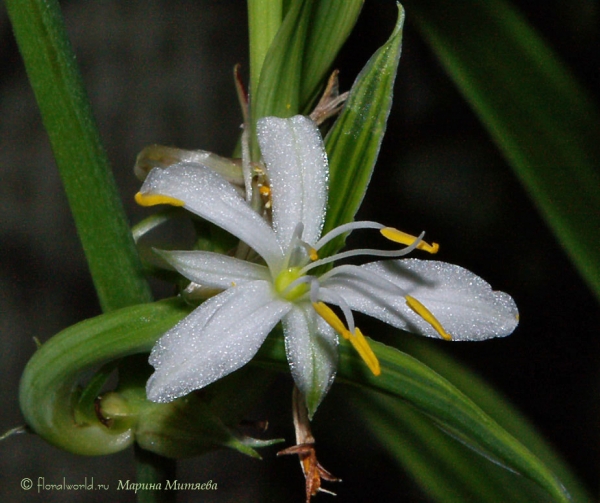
539 116
331 24
353 142
47 393
264 20
445 469
278 92
99 216
47 396
55 409
500 409
300 57
408 379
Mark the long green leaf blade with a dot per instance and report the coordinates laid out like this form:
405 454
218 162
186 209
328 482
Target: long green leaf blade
405 377
99 216
264 20
445 469
278 91
500 409
540 117
354 140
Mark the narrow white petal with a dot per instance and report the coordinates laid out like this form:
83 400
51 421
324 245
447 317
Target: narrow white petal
219 337
462 302
297 169
214 270
311 347
208 195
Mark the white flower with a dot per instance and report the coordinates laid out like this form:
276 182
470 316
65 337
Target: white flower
430 298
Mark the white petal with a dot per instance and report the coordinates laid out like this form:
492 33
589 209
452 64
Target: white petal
463 303
214 270
297 169
311 347
219 337
208 195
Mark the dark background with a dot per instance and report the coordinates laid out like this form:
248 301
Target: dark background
160 72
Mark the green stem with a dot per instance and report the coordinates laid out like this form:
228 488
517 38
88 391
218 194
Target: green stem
82 162
85 171
264 20
158 469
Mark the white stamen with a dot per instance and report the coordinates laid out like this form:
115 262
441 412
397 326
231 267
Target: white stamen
342 229
246 164
328 296
363 251
292 258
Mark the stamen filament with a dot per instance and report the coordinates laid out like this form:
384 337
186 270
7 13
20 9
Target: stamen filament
363 251
342 229
428 316
328 295
246 164
154 199
398 236
356 338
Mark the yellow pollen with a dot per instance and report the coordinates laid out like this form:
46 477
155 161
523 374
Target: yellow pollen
154 199
428 316
312 253
357 339
407 239
264 190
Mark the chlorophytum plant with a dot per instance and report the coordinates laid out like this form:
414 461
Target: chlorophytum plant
268 285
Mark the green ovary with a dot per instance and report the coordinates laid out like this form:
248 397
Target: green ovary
285 279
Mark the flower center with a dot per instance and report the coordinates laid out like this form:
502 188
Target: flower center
283 284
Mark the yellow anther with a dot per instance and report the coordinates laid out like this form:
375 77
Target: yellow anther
407 239
154 199
265 190
428 316
312 253
357 339
364 350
